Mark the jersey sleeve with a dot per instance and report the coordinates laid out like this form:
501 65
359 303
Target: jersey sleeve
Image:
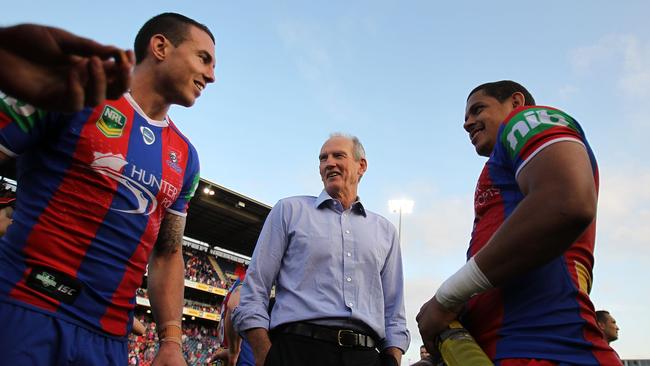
21 125
532 129
190 183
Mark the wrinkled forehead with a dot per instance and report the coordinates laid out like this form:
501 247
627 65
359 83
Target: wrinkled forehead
337 144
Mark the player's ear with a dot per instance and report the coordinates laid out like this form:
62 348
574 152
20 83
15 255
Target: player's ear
518 99
363 166
159 46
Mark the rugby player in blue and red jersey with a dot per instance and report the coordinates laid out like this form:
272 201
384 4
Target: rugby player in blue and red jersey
524 292
101 193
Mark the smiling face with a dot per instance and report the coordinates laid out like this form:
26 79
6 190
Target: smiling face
483 116
188 68
339 170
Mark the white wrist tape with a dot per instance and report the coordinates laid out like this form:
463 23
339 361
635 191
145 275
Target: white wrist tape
467 282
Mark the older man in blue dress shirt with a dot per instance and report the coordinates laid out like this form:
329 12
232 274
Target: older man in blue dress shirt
337 268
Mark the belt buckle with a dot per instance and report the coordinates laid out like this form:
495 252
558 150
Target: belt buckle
343 332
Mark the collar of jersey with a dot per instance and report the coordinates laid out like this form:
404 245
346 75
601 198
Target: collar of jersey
134 104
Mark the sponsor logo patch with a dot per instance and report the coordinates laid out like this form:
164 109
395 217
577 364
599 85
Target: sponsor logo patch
139 182
111 122
525 125
54 284
147 135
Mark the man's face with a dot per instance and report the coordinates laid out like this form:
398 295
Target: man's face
188 68
423 353
610 328
339 170
483 116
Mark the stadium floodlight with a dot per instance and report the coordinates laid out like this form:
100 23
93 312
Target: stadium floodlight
400 206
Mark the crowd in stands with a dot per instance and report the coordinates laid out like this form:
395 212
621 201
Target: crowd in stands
199 343
199 269
202 306
191 304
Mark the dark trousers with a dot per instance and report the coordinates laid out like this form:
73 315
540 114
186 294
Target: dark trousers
294 350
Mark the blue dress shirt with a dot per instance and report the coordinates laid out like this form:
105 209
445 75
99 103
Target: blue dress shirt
327 263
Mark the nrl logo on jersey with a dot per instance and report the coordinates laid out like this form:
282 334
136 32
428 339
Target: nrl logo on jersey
533 120
111 122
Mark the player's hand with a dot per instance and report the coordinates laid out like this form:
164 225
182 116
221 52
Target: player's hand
169 354
56 70
432 319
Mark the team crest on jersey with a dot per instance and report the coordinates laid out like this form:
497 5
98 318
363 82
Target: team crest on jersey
174 159
111 122
147 135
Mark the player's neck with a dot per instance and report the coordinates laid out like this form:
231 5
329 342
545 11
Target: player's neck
152 103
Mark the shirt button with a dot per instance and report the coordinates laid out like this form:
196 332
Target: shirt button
348 279
350 304
347 231
349 254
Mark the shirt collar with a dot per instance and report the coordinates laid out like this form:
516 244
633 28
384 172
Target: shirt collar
324 198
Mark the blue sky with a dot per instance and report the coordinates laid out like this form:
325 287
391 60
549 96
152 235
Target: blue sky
396 74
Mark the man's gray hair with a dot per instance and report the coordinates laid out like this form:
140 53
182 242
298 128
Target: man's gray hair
357 148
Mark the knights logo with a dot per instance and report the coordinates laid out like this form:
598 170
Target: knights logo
173 156
111 122
174 159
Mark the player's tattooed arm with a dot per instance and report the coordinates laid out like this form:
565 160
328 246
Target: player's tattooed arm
165 284
170 236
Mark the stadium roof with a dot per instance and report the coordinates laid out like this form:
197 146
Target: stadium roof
222 217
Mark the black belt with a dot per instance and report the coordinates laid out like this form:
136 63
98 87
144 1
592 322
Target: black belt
342 337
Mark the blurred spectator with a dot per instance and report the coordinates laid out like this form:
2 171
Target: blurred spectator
6 211
607 324
425 358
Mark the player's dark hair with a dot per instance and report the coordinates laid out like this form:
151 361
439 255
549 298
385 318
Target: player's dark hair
171 25
504 89
601 316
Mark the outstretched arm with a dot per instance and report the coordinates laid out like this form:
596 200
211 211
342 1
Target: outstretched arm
55 70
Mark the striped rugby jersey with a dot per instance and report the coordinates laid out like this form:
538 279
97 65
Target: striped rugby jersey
93 189
546 313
